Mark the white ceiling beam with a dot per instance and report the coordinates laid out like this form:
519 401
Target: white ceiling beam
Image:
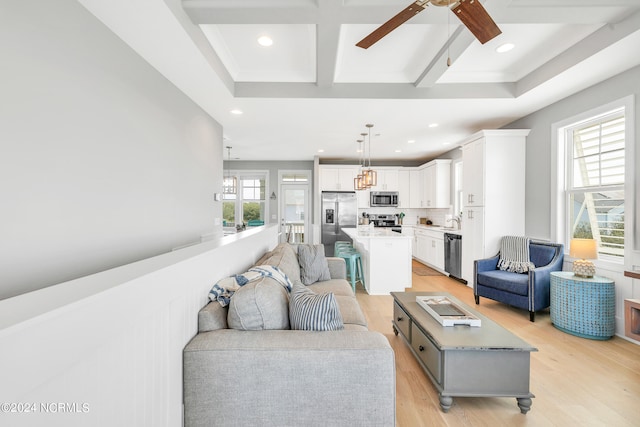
455 46
502 11
591 45
375 91
327 41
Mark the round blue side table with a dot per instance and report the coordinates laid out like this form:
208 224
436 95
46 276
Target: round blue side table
582 306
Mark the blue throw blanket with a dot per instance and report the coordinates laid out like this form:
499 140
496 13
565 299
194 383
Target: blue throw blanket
514 254
225 288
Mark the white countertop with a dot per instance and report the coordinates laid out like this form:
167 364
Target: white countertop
375 233
441 228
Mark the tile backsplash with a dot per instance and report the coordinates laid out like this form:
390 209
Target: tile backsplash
437 216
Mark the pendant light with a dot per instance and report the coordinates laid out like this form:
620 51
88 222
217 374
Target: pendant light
229 183
370 176
358 181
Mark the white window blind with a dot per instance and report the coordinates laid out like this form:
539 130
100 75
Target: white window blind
595 190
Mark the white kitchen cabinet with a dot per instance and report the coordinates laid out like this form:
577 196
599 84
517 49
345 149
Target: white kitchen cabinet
437 184
416 188
493 193
363 197
473 173
404 189
407 230
387 180
430 247
422 244
337 179
438 251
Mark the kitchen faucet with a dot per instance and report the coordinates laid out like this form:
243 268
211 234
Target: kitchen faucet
457 219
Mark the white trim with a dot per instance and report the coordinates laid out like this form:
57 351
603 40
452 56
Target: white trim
558 176
252 173
308 215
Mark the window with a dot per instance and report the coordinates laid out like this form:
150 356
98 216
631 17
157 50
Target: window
295 177
595 182
253 200
249 202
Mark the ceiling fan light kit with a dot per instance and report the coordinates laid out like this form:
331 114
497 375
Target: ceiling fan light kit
470 12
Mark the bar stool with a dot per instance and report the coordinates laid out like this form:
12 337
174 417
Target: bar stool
339 245
354 265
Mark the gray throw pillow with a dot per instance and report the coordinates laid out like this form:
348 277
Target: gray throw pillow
313 264
260 304
309 311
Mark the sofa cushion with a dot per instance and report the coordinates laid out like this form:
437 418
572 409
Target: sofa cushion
350 310
313 264
284 257
211 317
260 304
515 283
313 312
335 286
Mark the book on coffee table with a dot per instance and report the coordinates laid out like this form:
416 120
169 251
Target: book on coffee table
446 312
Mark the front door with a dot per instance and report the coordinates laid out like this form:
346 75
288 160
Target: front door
294 213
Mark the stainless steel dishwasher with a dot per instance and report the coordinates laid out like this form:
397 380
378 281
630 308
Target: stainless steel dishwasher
453 256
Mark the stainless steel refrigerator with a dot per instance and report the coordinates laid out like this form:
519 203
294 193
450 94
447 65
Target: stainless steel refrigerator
339 209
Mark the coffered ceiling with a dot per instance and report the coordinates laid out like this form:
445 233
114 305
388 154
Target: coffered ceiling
313 89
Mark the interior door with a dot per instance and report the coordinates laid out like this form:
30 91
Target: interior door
294 213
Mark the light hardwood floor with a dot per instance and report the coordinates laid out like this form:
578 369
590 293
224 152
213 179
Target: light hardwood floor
576 381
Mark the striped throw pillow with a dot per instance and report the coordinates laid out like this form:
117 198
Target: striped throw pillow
309 311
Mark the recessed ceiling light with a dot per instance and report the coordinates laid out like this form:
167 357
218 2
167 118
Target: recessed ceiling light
433 125
398 151
321 151
446 143
505 47
265 41
411 141
236 111
358 151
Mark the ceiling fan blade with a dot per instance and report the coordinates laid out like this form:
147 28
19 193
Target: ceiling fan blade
392 24
476 18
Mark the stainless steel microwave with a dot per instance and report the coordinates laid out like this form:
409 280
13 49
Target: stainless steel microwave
384 198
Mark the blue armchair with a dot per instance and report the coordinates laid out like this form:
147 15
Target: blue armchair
528 291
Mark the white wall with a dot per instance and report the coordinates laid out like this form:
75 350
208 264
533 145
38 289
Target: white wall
108 347
539 170
103 161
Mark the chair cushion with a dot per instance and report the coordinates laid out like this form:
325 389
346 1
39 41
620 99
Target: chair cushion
505 281
541 255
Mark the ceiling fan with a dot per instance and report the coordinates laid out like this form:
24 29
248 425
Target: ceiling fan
472 14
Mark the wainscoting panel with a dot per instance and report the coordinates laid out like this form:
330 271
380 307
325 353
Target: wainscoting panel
114 357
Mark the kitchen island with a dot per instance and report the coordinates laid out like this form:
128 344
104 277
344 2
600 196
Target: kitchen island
386 258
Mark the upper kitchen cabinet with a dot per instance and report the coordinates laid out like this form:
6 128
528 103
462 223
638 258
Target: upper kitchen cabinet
404 189
494 162
493 186
416 188
387 180
437 184
337 178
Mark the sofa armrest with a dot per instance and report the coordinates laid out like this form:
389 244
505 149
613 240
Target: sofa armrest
337 267
343 378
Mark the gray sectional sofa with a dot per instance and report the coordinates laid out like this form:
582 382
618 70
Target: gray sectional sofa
274 376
